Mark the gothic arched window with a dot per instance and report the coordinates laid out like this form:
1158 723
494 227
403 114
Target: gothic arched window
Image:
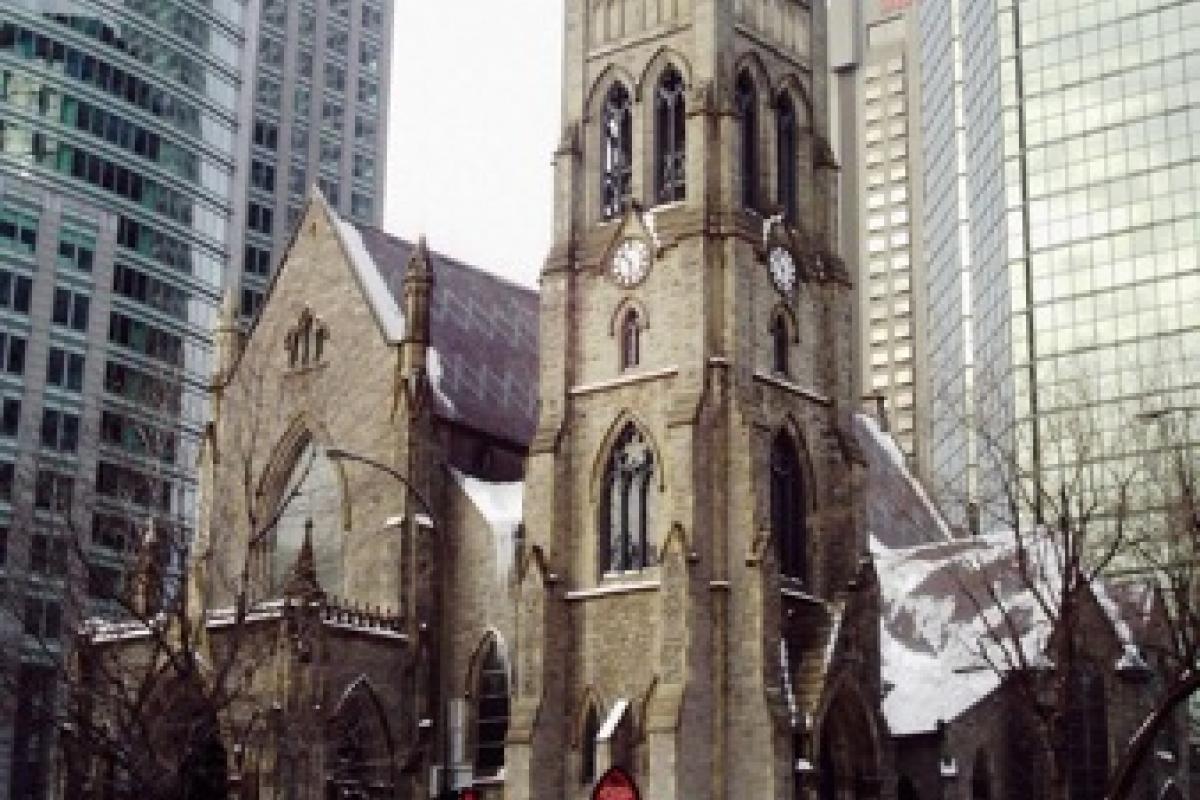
785 151
631 336
746 101
779 345
789 525
617 138
311 496
1087 734
670 174
625 504
587 746
491 711
358 761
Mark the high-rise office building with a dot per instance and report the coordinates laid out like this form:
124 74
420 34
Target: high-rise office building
1079 171
877 98
117 127
316 111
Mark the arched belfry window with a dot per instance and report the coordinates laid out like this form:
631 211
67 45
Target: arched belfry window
786 155
669 136
779 345
1087 733
746 101
631 339
617 136
789 524
625 507
491 711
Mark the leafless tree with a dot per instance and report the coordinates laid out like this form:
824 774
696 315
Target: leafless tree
1081 525
111 671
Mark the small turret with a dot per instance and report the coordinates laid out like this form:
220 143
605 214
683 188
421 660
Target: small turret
418 286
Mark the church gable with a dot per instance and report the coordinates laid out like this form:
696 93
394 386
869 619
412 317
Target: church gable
483 362
483 358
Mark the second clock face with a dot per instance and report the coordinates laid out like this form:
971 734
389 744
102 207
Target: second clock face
630 262
783 269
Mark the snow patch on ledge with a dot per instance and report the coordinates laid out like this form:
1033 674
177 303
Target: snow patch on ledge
502 507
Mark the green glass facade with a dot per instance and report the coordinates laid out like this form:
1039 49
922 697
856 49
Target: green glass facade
1082 168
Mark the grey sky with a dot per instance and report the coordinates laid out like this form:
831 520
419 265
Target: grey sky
474 122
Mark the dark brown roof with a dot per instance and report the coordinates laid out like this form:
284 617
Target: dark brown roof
485 333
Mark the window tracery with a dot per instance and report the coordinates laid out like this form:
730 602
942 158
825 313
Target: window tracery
789 524
305 341
670 121
625 507
786 154
617 137
746 103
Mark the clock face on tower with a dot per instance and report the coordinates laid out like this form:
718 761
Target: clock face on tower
783 269
630 262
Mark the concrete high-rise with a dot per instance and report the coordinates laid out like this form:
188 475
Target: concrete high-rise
117 128
877 101
316 111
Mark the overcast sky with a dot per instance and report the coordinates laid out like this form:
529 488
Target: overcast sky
474 120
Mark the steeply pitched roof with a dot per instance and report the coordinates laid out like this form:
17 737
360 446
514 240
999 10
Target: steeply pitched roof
484 332
941 610
899 512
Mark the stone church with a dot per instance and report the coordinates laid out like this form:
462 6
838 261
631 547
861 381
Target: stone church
513 540
609 538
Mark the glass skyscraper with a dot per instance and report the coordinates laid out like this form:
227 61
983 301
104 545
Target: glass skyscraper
118 122
1079 272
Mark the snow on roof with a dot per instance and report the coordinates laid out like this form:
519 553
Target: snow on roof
501 505
612 720
899 510
437 375
945 608
383 302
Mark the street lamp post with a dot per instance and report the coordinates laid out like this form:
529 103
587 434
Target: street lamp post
445 788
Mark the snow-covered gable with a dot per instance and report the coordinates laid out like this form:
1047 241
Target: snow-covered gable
941 602
501 505
383 303
483 359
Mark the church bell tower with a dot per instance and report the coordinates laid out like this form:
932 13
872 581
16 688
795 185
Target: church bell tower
690 490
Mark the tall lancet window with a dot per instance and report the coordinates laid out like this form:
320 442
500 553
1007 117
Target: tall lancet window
617 135
670 119
631 339
789 525
626 505
779 345
785 145
491 712
1087 733
746 101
